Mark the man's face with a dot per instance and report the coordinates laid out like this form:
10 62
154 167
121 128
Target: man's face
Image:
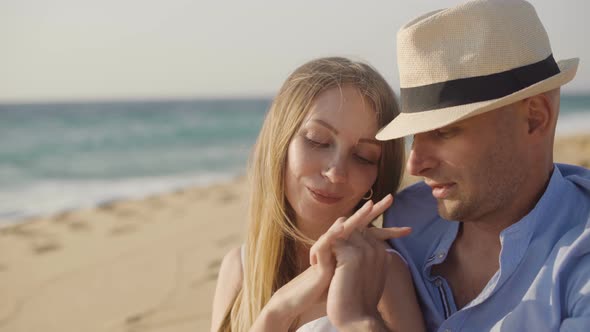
475 167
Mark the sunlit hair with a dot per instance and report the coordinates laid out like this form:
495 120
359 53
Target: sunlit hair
270 260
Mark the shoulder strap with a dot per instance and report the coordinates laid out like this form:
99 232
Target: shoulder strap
242 255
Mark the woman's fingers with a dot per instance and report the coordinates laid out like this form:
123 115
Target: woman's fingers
343 227
324 242
336 230
325 263
365 215
383 234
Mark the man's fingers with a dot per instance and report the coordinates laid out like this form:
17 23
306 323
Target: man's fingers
383 234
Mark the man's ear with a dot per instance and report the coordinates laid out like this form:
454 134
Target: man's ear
540 114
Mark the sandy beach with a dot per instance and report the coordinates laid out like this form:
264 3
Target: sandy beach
143 265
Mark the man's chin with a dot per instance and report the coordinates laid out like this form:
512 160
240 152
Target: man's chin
447 209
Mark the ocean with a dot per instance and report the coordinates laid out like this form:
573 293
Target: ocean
61 156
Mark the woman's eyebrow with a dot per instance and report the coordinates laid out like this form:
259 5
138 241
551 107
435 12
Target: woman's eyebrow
370 141
327 125
335 131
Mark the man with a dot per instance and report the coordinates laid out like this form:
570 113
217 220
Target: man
501 234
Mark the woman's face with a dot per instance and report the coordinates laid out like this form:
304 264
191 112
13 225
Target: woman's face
332 160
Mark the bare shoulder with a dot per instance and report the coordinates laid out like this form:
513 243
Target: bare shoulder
229 283
231 269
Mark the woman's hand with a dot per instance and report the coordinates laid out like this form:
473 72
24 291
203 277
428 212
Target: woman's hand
344 227
297 295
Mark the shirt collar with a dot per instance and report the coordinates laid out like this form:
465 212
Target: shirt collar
516 238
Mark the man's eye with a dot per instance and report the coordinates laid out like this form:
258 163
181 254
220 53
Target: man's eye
446 133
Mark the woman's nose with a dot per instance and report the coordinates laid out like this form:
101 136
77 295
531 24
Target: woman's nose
336 171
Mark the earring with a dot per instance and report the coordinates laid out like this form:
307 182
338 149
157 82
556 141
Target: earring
370 195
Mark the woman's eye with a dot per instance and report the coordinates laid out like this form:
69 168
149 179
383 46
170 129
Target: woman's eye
364 160
315 143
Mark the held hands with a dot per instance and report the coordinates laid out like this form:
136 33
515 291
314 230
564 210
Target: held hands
361 265
349 262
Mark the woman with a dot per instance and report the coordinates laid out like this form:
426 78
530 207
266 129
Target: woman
315 160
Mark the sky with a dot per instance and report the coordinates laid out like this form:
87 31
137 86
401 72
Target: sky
62 50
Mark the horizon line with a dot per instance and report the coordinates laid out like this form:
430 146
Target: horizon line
155 98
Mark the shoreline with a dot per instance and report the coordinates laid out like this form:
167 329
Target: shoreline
226 179
566 150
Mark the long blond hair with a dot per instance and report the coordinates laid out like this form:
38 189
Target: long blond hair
270 260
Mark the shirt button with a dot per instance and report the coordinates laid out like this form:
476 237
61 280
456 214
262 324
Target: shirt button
447 330
441 255
438 282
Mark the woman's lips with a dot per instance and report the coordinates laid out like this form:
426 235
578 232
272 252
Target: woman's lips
324 197
442 191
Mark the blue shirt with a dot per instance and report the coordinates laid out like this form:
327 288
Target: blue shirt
543 283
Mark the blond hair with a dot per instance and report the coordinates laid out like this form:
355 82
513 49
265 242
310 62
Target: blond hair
270 260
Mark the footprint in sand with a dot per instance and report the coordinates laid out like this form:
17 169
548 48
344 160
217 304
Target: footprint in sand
63 217
210 275
214 264
41 242
79 226
44 246
110 205
68 219
227 197
124 212
123 229
23 231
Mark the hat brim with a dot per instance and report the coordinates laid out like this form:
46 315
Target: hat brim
414 123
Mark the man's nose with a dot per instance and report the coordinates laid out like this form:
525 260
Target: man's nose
421 158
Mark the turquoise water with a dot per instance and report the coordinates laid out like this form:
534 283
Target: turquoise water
62 156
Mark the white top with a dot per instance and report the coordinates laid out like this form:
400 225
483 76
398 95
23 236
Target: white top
321 324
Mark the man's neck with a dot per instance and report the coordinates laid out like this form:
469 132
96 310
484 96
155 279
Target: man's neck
494 222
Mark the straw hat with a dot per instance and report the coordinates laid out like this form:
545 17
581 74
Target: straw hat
473 58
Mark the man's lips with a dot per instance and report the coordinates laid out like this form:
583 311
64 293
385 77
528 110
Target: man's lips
323 196
441 190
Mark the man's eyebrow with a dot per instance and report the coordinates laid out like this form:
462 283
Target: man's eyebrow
327 125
